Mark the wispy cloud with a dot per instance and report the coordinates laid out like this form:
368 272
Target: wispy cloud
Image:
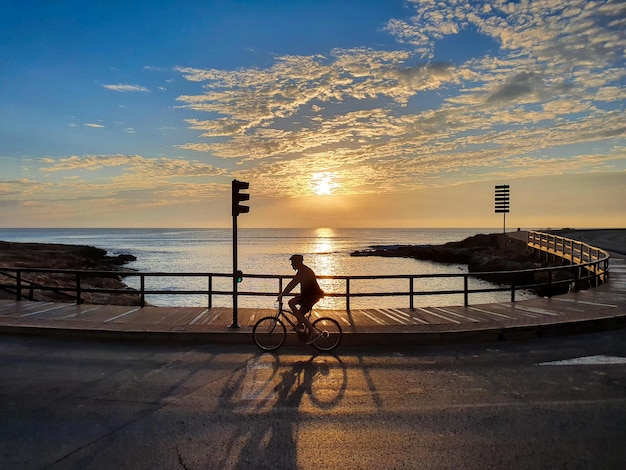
136 165
126 87
115 184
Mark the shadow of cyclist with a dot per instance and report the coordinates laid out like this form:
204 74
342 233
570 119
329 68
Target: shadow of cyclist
271 395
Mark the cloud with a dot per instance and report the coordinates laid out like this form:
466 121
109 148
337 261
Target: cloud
382 120
135 165
126 87
90 124
524 83
115 185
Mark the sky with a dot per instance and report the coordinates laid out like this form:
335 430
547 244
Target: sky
339 113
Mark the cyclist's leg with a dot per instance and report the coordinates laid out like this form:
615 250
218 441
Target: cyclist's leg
307 306
300 307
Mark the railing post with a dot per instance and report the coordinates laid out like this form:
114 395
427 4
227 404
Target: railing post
142 288
210 291
549 287
465 290
513 287
18 285
79 299
348 294
411 306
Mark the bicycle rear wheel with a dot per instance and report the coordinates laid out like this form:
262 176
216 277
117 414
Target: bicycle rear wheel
331 334
269 333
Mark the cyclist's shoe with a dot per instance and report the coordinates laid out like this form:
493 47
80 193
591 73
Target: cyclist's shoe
302 335
314 337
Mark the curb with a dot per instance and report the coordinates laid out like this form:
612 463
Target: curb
371 338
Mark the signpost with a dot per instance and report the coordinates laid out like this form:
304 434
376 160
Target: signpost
502 202
237 196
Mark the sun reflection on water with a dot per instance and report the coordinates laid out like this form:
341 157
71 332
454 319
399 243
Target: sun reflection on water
323 247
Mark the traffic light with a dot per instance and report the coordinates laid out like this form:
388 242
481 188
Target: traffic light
239 196
239 276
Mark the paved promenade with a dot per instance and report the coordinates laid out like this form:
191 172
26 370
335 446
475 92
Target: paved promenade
602 307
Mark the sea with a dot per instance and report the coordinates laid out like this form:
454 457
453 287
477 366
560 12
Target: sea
266 251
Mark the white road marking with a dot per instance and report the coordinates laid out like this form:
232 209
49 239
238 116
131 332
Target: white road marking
199 316
489 312
456 314
121 315
36 312
215 317
587 361
439 316
539 311
82 312
371 317
410 318
393 316
586 303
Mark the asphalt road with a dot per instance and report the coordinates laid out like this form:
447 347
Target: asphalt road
91 405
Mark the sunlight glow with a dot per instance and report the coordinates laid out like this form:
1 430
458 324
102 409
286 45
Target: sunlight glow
322 184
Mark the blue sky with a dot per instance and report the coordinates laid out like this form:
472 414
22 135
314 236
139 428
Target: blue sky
339 113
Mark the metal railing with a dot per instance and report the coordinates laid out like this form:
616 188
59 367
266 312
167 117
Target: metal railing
590 266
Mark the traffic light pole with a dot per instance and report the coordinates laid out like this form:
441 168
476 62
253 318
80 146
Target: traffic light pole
235 324
237 196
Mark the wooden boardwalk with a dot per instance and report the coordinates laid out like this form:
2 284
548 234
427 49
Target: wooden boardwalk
600 307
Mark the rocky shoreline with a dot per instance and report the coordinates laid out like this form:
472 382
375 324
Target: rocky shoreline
481 253
64 257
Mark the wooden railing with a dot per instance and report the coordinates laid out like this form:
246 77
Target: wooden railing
589 267
595 260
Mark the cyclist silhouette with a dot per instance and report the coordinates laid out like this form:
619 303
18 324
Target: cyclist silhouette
310 293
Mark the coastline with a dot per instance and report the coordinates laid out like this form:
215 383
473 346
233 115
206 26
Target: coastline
482 252
479 252
493 252
65 257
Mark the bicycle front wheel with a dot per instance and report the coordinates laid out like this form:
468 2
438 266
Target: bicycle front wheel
330 334
269 333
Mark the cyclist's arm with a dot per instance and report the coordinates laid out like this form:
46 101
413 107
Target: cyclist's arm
293 283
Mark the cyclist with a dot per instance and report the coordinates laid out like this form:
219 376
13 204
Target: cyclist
310 294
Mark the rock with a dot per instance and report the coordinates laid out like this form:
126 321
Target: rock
123 259
482 253
65 257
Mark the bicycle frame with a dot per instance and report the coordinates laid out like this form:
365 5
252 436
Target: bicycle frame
281 312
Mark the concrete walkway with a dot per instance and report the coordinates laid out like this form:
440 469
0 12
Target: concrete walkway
602 307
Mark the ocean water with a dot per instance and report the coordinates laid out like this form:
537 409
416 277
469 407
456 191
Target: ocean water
267 251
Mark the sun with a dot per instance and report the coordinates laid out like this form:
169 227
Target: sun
322 184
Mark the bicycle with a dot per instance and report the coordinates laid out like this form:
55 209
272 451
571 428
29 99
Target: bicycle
270 333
